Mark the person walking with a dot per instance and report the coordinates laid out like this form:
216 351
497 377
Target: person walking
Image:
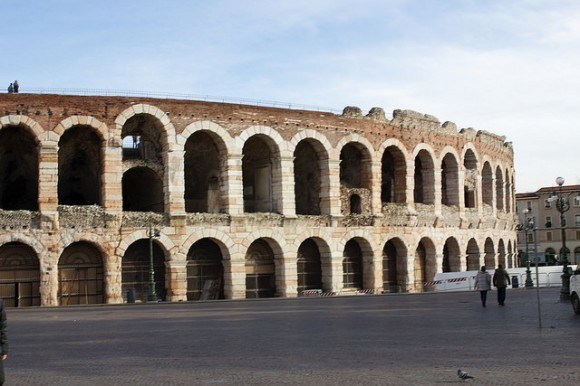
483 284
501 279
3 340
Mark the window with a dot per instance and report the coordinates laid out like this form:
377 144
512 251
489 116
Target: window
530 237
577 220
577 235
529 205
548 203
576 200
548 221
549 236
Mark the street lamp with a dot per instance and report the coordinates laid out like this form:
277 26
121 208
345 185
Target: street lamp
152 295
563 205
527 226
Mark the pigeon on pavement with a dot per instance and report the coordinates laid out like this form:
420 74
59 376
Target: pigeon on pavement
463 375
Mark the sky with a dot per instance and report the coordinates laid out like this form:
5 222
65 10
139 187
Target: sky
508 67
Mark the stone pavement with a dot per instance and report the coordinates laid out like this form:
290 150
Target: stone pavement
406 339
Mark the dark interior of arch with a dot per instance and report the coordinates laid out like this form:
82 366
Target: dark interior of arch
257 168
147 141
80 167
307 179
142 191
18 169
351 166
202 174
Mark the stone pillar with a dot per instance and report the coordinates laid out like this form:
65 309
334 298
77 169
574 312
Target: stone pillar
287 274
376 203
410 285
337 272
48 182
437 194
287 192
334 188
234 190
113 279
235 288
49 277
112 180
174 185
176 279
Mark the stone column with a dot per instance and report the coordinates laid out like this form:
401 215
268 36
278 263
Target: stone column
376 203
113 279
234 190
174 186
48 182
287 274
288 199
235 288
334 187
176 279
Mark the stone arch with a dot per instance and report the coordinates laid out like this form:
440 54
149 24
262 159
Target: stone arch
425 264
163 240
227 245
311 177
19 163
264 270
324 251
81 274
205 268
357 264
487 183
205 172
451 256
501 253
218 131
393 156
489 250
395 270
472 252
36 130
356 175
81 158
146 109
262 170
471 175
20 274
449 177
424 175
82 120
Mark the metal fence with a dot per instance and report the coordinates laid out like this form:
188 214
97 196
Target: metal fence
182 96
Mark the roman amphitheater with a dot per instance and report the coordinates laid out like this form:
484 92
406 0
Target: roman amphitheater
115 199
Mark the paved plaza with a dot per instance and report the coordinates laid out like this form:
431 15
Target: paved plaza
407 339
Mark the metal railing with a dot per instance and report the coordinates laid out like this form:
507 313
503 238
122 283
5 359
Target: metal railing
182 96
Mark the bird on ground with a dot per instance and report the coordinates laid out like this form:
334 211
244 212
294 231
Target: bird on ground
463 375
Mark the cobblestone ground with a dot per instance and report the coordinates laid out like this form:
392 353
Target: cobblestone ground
365 340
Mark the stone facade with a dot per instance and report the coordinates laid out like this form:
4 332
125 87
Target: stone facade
257 201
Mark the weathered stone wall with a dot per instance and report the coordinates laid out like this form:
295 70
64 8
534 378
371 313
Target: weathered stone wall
51 229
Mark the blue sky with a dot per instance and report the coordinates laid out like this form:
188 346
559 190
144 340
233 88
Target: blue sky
509 67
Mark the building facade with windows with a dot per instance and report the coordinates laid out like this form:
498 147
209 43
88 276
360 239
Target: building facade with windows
234 201
546 239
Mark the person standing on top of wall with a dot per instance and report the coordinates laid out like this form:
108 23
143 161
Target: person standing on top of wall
16 86
501 279
483 284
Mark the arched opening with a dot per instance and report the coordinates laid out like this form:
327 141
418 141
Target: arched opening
260 271
80 167
261 175
510 255
499 188
352 272
142 191
136 273
80 275
307 178
355 177
205 271
451 256
19 275
489 258
424 191
394 266
472 255
470 180
143 139
204 174
487 184
18 169
393 176
425 264
309 268
449 181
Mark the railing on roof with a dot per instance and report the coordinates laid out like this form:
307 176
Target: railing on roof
164 95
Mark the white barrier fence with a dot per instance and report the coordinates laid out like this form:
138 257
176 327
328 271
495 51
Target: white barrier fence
550 276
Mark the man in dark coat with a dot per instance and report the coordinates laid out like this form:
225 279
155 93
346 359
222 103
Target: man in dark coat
3 340
501 279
